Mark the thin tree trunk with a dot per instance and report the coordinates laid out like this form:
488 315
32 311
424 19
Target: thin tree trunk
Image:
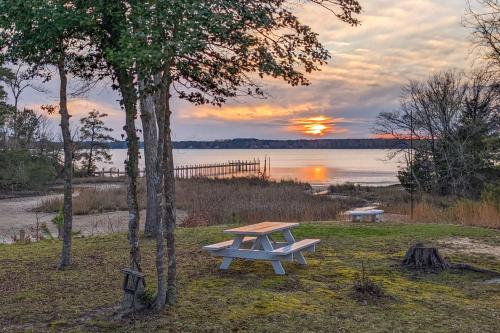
16 112
159 100
169 201
89 164
132 165
129 103
149 128
68 169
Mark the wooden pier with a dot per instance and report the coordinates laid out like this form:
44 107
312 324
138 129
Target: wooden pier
218 169
230 168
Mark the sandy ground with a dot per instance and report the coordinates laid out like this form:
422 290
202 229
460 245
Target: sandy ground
468 245
17 213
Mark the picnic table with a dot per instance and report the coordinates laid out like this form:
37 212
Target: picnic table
254 242
375 215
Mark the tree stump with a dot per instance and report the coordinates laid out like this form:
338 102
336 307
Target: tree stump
421 257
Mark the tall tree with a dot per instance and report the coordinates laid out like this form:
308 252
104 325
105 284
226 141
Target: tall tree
485 22
455 120
206 52
6 111
18 80
95 137
49 33
110 28
25 123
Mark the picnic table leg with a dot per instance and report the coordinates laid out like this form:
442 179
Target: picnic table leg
256 244
277 266
226 262
290 240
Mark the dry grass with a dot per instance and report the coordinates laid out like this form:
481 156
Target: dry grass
243 200
236 200
464 212
427 209
93 200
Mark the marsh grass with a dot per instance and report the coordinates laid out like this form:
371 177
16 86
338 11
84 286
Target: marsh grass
427 208
236 200
243 200
249 297
464 212
91 200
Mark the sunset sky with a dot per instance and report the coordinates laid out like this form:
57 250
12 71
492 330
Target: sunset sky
397 41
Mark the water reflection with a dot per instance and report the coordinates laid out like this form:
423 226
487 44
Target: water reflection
316 166
322 175
315 174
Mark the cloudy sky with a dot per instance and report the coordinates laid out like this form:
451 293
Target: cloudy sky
397 41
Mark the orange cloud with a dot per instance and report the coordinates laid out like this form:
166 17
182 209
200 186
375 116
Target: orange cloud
316 126
80 107
384 136
400 136
251 112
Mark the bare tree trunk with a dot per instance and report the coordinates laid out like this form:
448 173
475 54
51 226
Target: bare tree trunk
159 100
149 128
169 200
129 103
91 150
68 169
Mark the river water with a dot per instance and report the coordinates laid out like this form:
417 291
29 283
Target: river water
315 166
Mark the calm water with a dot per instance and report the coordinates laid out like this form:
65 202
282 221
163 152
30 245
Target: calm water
316 166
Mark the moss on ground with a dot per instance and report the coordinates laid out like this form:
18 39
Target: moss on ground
249 297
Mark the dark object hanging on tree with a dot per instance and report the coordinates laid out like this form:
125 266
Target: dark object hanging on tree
425 258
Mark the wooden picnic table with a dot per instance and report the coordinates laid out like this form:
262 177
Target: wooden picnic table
254 242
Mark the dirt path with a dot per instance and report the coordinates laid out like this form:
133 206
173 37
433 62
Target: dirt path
467 245
17 213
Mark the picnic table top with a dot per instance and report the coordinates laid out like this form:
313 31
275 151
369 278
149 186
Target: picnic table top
365 212
262 228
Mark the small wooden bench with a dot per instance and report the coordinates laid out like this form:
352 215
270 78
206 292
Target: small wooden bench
374 214
226 244
302 245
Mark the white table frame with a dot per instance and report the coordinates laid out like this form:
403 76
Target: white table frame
262 247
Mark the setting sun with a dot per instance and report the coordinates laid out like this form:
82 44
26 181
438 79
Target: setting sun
315 129
315 126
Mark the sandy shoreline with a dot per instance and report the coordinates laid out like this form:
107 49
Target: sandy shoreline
17 214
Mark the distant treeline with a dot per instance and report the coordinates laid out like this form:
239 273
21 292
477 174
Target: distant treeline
285 144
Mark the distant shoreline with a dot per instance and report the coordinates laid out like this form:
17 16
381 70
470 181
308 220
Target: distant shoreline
283 144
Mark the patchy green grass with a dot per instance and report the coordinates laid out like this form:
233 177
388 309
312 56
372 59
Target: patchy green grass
249 297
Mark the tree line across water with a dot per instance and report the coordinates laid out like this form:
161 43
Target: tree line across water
251 143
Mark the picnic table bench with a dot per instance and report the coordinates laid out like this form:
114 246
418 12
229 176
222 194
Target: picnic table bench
253 242
374 214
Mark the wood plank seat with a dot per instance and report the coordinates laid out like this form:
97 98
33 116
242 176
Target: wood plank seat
297 246
226 244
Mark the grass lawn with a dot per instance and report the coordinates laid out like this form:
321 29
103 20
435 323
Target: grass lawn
249 297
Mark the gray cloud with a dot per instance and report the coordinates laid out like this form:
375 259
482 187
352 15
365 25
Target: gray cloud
397 41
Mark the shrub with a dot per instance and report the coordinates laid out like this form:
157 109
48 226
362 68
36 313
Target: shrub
491 194
19 169
364 288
